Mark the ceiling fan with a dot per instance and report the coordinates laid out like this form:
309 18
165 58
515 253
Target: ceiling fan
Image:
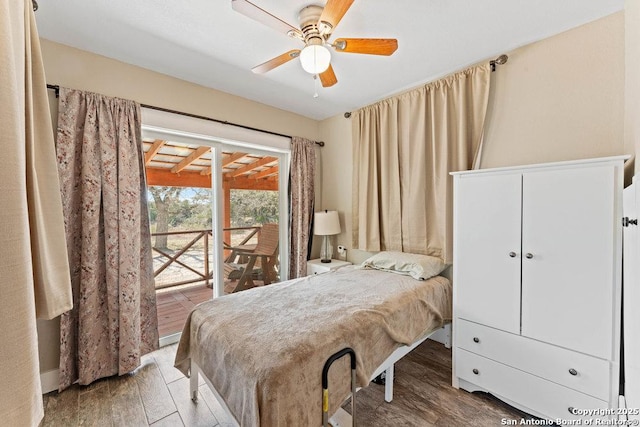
316 26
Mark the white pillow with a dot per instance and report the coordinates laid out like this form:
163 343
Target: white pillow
420 267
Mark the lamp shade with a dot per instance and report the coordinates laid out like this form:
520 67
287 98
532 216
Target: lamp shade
326 223
315 58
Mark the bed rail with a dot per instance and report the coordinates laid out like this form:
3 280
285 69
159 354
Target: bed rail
325 384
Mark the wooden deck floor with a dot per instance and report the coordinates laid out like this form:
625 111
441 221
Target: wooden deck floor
157 394
175 304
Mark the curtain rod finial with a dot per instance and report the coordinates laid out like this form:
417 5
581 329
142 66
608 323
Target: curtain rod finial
35 5
347 114
500 60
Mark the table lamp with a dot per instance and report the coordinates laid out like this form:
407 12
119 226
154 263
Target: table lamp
326 223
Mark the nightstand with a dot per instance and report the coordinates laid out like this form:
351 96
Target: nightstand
316 267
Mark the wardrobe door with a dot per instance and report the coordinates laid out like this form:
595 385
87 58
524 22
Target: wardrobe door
568 234
631 255
487 250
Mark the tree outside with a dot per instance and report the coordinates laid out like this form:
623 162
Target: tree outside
253 207
183 209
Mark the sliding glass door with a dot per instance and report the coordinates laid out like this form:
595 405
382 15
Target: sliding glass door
219 215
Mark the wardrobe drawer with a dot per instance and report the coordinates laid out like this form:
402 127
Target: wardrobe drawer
586 374
531 392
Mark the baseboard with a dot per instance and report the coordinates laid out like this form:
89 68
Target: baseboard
49 381
170 339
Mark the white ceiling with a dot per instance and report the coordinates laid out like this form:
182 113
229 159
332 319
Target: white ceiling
206 42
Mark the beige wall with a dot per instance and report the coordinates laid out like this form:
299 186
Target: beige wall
632 73
78 69
66 66
335 192
558 99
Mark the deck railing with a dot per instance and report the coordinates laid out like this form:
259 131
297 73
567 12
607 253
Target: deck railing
173 257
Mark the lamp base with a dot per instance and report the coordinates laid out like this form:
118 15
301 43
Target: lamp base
326 252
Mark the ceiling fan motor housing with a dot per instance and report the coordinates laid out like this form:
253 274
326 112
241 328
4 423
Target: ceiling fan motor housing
308 18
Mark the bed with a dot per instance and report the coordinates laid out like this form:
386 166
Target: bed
262 351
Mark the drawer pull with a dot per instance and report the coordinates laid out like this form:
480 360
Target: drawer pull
475 371
512 254
476 339
529 255
573 372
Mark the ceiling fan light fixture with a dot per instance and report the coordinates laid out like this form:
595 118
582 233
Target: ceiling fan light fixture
315 58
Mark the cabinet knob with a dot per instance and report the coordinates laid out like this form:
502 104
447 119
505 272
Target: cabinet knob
529 255
475 371
573 371
512 254
476 339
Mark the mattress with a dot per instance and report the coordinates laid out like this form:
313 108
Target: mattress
264 349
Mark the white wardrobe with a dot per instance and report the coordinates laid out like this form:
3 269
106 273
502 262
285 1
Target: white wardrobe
537 285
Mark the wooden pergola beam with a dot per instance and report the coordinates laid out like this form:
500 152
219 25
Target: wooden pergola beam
265 173
226 161
199 152
244 183
250 167
155 147
164 177
232 159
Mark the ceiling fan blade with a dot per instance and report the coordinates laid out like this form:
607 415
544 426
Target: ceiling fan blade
276 62
369 46
258 14
328 77
332 14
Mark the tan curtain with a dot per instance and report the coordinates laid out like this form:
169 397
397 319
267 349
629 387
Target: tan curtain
102 179
404 148
34 273
302 197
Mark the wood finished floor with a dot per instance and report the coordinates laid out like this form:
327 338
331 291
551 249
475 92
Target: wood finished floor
157 394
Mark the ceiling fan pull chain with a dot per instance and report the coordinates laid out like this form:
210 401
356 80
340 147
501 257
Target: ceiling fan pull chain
315 83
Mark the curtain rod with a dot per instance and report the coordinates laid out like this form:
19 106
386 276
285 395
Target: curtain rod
500 60
56 88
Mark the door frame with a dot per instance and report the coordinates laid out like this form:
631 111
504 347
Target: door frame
218 144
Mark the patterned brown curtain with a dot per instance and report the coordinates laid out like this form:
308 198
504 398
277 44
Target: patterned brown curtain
302 197
102 181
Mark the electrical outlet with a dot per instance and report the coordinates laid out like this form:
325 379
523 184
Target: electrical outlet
342 250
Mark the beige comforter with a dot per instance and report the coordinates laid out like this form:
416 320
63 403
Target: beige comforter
264 349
